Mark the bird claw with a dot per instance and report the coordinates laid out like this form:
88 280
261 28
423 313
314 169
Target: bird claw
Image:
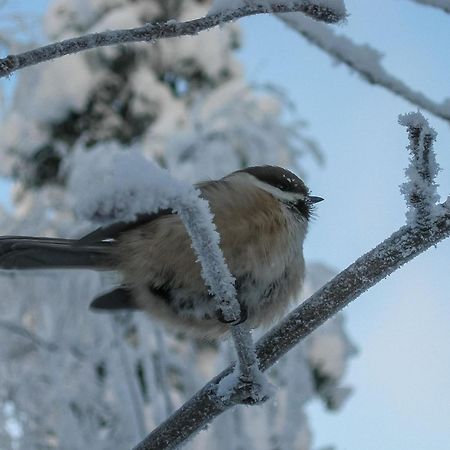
242 317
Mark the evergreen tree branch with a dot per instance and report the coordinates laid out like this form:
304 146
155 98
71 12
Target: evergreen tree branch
152 32
364 60
402 246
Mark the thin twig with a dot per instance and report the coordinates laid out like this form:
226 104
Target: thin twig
245 351
364 60
154 31
441 4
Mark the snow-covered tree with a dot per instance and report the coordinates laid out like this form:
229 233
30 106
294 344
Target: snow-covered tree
74 379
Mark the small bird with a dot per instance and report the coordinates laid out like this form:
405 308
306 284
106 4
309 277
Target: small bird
262 215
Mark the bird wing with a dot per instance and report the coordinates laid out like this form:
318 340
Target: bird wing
113 230
119 298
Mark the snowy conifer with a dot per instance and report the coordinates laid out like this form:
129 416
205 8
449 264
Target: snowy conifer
75 379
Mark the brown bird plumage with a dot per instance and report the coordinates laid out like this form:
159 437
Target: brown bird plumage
262 216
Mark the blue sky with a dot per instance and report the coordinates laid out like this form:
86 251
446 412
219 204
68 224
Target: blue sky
401 376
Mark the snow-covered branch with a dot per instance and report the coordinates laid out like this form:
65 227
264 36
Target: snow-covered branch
402 246
420 188
364 60
441 4
330 11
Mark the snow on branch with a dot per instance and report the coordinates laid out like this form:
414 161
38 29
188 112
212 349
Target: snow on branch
402 246
364 60
441 4
420 190
330 11
109 184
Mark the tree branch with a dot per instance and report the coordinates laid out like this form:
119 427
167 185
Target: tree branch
154 31
420 190
402 246
198 221
364 60
441 4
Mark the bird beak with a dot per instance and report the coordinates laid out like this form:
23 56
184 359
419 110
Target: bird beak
314 199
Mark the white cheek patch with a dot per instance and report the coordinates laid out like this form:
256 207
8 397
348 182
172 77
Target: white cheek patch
277 193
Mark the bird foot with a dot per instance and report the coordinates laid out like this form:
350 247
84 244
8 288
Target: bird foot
242 318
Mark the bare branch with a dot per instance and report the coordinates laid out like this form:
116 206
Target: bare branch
441 4
364 60
402 246
421 189
155 31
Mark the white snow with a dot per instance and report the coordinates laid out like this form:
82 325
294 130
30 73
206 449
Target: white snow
228 384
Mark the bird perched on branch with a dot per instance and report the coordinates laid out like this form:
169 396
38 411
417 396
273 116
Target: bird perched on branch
262 215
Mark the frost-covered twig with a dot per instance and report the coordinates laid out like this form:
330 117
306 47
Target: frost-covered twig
248 362
420 189
364 60
402 246
330 11
441 4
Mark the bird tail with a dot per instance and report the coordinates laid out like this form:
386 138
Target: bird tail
22 252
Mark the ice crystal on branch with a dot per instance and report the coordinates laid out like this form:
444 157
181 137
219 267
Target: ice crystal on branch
420 190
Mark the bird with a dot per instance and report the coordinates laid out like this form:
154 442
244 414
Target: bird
262 214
